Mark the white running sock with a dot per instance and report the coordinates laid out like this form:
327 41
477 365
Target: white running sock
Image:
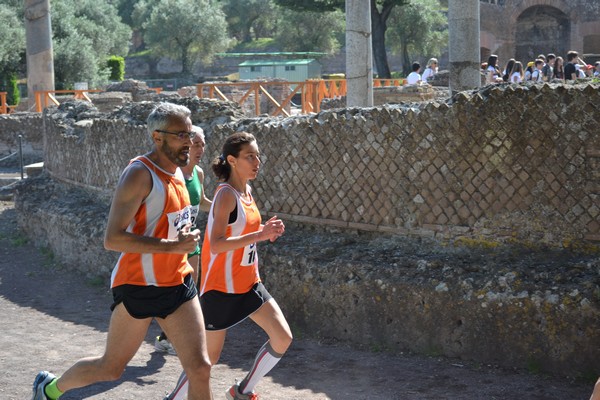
181 389
265 360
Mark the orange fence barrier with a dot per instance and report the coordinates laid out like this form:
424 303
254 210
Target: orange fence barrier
4 107
312 92
44 98
215 90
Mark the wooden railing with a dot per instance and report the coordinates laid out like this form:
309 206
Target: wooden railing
4 107
312 92
45 98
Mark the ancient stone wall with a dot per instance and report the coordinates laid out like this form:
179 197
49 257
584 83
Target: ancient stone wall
481 168
30 127
507 163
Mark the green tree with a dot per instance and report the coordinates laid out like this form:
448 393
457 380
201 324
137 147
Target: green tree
419 29
248 17
380 12
125 10
85 34
12 39
311 31
186 30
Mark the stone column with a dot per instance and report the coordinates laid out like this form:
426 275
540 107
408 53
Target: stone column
359 54
464 48
40 59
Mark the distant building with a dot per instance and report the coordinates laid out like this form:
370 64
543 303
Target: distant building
522 29
295 70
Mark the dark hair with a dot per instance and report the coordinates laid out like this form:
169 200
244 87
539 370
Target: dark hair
492 60
571 55
233 145
416 66
508 71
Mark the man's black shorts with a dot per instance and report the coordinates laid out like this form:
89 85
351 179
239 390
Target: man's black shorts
224 310
153 301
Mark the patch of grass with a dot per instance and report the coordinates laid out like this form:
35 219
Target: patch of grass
258 45
433 351
19 240
96 281
48 255
476 243
378 348
588 376
534 366
142 53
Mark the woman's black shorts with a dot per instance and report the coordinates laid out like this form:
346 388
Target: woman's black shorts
153 301
224 310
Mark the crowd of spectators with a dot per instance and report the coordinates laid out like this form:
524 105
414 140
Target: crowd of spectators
544 68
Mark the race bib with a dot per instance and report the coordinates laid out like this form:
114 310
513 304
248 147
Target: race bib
249 257
177 220
194 214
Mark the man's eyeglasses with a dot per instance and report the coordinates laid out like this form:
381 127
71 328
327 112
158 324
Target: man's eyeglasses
180 135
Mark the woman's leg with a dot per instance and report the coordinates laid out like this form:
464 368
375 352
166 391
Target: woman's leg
270 318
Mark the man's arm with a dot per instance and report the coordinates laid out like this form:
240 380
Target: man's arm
205 203
133 187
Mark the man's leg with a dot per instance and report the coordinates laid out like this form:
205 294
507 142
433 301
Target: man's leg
185 329
125 335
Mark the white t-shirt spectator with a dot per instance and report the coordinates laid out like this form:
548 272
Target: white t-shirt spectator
428 73
515 77
413 78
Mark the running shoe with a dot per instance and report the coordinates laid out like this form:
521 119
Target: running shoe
234 394
39 384
164 346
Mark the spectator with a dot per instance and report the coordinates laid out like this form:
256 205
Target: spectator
529 70
414 77
573 66
508 70
536 75
493 74
588 70
548 69
559 68
597 68
430 70
517 75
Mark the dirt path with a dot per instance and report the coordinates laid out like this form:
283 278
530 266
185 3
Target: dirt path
51 317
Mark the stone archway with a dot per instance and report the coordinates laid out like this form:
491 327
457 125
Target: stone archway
541 30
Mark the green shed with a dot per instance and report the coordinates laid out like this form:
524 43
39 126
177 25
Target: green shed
290 70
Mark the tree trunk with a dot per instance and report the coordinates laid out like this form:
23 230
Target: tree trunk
185 61
378 28
406 63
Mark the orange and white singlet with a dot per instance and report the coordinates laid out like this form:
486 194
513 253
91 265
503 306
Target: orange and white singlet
234 271
163 214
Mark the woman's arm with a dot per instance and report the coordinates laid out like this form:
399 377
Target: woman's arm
225 202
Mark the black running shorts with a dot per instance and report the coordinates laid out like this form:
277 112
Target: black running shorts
153 301
224 310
